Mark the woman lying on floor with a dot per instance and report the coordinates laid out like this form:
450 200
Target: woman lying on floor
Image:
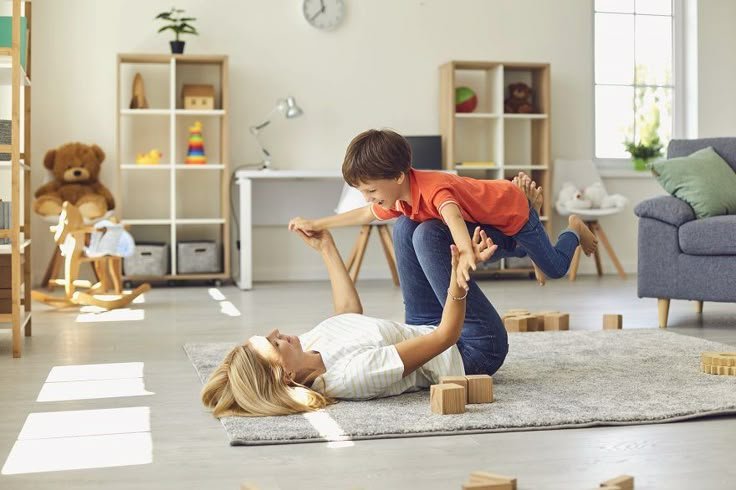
355 357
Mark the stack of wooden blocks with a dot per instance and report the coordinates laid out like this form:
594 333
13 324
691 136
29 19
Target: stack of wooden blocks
722 363
454 392
520 320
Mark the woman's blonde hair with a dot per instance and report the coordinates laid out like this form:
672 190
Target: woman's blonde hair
247 384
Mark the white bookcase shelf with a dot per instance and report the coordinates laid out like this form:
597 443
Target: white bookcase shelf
499 144
194 198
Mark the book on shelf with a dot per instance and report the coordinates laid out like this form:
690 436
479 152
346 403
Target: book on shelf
4 220
476 164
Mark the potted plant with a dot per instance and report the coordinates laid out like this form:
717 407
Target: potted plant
179 24
644 151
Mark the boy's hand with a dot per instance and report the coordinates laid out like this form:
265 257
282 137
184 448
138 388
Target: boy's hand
304 225
483 249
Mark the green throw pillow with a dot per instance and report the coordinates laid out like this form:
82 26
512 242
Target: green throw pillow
702 179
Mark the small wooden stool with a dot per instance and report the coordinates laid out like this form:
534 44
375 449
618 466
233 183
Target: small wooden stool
356 255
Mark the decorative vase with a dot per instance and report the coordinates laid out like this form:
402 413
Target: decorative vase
177 47
640 164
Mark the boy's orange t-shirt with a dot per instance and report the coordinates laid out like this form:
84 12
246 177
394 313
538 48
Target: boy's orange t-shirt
497 203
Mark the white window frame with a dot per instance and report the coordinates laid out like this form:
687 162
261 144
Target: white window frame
684 84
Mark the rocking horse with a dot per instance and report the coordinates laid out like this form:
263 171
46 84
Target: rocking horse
70 236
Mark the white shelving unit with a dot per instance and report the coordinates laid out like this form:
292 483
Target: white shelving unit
172 187
15 258
499 144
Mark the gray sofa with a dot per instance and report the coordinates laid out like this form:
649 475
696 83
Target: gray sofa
681 257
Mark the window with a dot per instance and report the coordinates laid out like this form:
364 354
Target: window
634 74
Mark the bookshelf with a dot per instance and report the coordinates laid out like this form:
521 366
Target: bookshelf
172 201
489 143
15 257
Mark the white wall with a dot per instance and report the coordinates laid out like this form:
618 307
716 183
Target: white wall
378 69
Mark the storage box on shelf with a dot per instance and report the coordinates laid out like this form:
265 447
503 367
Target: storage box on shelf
492 143
182 201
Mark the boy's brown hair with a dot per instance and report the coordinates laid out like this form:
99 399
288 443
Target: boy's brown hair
376 154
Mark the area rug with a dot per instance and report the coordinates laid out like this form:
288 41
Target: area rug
550 380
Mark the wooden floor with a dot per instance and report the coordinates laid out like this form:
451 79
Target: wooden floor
190 449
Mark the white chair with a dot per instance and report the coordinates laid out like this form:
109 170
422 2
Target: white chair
350 199
583 173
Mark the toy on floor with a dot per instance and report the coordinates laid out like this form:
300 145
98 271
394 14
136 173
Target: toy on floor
623 482
520 320
108 243
721 363
75 168
195 150
153 157
613 322
453 392
482 480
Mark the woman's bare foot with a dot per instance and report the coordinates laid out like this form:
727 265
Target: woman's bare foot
588 240
532 192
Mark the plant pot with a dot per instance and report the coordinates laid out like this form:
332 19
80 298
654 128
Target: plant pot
177 47
640 164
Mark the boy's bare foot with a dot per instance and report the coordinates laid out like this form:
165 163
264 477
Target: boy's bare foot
541 278
532 192
588 240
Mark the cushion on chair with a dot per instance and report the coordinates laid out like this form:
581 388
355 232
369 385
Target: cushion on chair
709 236
725 147
667 209
703 179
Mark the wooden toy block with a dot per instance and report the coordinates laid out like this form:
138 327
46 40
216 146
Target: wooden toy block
515 312
534 323
480 388
624 482
515 324
557 321
479 476
487 485
613 322
458 380
719 358
447 398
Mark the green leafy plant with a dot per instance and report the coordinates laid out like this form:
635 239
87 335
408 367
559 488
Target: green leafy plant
177 22
644 150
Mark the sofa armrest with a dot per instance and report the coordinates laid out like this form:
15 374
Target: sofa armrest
667 209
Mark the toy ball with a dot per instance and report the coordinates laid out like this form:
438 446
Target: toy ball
465 99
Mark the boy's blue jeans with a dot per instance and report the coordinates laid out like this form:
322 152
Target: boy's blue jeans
423 262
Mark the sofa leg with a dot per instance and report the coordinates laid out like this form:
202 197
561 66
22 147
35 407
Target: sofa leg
698 307
663 305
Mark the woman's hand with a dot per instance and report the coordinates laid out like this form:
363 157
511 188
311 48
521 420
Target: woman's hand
307 226
318 240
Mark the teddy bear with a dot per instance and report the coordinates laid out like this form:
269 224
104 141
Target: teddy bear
519 99
593 196
75 168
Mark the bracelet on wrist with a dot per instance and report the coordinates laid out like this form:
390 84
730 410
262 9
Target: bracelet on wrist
456 298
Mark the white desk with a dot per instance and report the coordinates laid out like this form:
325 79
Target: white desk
272 197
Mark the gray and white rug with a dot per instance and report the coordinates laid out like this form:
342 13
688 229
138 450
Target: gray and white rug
550 380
